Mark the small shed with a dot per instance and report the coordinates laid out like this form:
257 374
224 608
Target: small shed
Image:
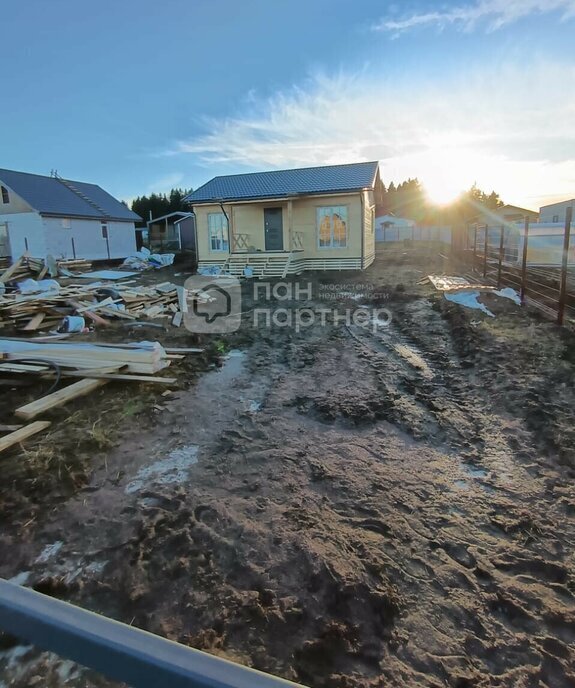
172 233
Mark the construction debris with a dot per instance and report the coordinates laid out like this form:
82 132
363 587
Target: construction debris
94 364
23 433
451 283
48 310
143 357
27 267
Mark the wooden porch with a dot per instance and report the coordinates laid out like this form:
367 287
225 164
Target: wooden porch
243 242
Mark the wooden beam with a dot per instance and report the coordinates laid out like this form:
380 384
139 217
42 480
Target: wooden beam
35 322
5 276
59 398
22 434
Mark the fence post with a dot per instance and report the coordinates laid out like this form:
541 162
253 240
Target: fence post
485 251
524 261
501 240
563 283
474 246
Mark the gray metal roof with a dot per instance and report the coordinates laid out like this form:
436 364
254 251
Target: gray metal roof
284 183
60 197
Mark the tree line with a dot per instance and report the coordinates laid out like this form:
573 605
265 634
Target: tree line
160 204
409 199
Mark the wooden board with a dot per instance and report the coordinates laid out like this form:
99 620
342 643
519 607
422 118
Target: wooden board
25 432
59 398
35 322
7 274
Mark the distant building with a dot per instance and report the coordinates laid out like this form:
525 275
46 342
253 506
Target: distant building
65 219
392 228
505 214
173 232
555 212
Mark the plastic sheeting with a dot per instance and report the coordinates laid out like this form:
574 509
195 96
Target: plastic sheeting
468 299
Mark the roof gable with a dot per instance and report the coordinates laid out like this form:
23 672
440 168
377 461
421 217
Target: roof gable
54 196
284 183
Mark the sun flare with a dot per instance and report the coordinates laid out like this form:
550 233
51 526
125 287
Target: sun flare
442 191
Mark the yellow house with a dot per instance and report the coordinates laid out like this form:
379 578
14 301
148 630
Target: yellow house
287 221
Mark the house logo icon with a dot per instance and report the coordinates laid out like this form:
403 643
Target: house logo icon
213 304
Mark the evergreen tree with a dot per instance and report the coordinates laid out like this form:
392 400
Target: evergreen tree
160 204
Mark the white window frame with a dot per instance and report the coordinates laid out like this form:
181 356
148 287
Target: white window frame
319 213
218 236
5 195
66 223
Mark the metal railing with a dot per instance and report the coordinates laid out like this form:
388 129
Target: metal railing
118 651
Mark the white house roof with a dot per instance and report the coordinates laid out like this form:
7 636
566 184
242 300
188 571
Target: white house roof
63 198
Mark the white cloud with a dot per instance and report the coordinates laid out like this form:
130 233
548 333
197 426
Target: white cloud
497 127
497 13
166 183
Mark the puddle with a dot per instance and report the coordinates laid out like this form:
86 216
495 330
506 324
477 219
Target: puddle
235 353
172 469
20 578
478 474
48 552
474 471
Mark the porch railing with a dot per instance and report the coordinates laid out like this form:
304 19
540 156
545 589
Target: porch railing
241 242
297 241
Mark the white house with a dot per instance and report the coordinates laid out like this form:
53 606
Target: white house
393 228
54 216
555 212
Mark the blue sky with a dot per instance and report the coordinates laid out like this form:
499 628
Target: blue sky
141 96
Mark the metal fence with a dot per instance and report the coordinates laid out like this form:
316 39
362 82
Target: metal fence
120 652
551 288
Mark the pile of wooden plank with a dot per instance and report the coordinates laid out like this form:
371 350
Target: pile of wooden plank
95 364
73 265
27 267
46 310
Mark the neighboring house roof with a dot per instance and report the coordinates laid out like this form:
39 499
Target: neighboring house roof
500 212
63 198
285 183
180 213
505 208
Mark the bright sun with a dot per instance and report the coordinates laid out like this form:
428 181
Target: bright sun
442 190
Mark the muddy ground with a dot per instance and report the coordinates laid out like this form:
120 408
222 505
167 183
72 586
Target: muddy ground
341 506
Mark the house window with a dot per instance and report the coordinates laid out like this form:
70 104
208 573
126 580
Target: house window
218 232
5 196
104 230
555 218
332 227
66 223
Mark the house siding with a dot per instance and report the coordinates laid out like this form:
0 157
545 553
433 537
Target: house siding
248 219
559 210
16 205
25 232
368 228
84 239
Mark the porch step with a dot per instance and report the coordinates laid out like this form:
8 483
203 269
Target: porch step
262 265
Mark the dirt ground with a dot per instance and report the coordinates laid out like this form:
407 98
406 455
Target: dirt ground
341 506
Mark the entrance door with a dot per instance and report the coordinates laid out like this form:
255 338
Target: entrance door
4 241
273 228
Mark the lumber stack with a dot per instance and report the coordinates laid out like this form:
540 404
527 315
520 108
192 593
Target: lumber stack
45 310
144 357
74 265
